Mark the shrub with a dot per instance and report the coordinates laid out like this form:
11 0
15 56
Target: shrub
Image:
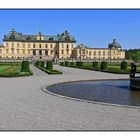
95 64
25 66
41 64
71 64
49 65
37 63
66 63
103 65
61 63
79 64
124 65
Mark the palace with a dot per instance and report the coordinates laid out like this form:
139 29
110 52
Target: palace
60 46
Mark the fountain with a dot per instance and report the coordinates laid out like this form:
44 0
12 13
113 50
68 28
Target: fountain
134 81
121 92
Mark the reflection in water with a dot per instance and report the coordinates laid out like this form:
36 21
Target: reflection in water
110 91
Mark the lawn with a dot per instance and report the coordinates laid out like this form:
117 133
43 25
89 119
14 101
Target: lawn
12 70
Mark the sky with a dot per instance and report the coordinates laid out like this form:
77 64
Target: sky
95 28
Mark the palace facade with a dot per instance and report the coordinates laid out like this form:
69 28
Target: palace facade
60 46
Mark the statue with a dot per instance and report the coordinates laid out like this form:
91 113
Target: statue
133 70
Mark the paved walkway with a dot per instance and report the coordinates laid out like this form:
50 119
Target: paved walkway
24 106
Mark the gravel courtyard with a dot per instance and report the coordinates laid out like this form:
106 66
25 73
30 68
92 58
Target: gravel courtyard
24 106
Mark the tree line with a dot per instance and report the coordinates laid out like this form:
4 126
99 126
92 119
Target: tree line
133 54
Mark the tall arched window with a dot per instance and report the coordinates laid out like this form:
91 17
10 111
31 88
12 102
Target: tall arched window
34 52
40 52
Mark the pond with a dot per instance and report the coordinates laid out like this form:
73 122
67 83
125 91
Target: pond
106 91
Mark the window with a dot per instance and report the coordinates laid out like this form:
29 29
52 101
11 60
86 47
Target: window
50 38
51 51
72 45
0 50
40 52
89 53
23 45
94 53
67 46
46 45
28 51
62 45
12 37
23 51
29 45
39 45
62 52
34 52
51 45
12 44
99 54
55 52
28 38
6 50
18 51
7 44
12 51
46 52
33 45
17 44
103 53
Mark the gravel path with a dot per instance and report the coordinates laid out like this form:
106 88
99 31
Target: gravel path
24 106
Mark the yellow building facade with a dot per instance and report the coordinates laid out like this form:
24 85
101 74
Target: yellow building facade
18 46
113 52
63 46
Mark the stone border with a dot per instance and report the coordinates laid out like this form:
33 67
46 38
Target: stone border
44 88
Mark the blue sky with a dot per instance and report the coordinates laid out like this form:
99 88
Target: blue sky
95 28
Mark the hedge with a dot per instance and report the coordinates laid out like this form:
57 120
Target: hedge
95 64
79 64
66 63
49 71
124 65
41 64
103 65
25 66
71 64
49 65
62 63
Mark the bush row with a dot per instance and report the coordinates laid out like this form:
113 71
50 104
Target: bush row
95 65
48 68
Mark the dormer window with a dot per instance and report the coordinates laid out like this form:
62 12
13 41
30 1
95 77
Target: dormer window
67 38
50 38
28 38
12 37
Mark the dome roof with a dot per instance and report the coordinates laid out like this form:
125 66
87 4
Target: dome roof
114 44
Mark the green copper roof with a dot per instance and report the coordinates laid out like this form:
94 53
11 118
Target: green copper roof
14 36
114 44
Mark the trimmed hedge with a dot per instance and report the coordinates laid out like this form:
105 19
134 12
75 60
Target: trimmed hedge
66 63
124 65
37 63
49 71
42 63
103 65
62 63
71 64
49 65
79 64
95 64
25 66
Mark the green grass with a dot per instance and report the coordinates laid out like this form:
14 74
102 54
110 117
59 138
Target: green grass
3 68
12 70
